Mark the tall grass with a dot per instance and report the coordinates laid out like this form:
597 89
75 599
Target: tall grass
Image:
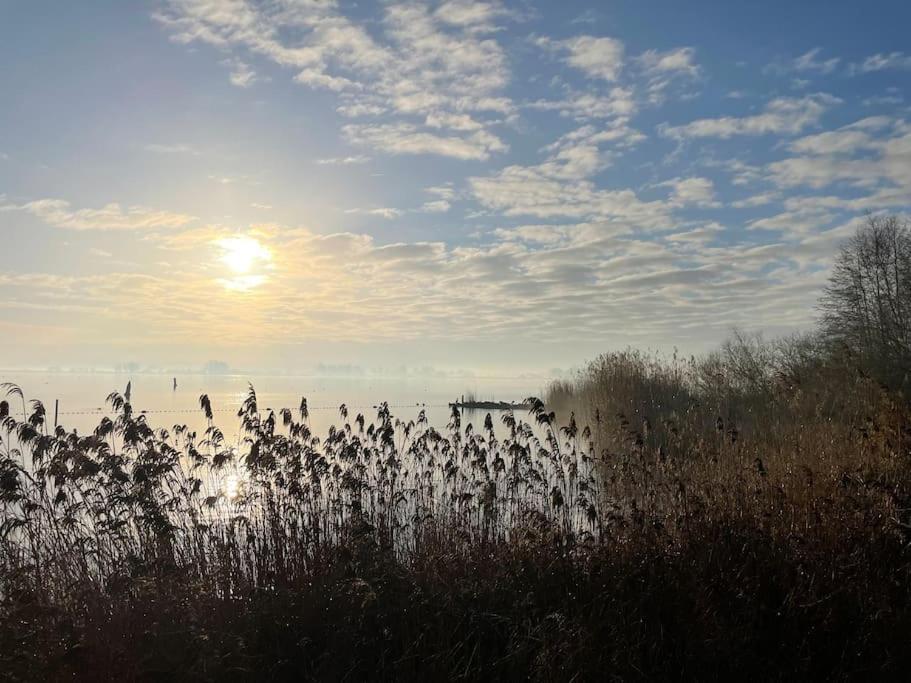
746 514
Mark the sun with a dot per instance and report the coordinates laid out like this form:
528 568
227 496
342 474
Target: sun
232 488
242 253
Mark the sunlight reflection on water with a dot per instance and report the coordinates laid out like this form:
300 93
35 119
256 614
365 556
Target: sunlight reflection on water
82 396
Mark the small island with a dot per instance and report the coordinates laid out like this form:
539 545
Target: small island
471 404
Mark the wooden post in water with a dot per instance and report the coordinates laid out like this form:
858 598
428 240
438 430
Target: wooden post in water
56 407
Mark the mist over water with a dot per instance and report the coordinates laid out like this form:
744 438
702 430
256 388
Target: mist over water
82 396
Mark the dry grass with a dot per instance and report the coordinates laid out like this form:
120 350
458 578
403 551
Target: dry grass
745 514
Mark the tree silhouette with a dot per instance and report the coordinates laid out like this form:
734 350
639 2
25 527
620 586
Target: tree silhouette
867 305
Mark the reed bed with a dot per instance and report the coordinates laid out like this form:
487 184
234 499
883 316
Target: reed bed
131 494
746 514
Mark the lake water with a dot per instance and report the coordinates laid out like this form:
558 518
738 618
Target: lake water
82 396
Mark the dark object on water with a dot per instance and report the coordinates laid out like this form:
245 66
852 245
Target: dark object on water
490 405
175 384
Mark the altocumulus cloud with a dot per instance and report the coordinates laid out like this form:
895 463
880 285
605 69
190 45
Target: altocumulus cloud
518 178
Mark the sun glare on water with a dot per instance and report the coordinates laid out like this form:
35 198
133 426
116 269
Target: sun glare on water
244 256
232 487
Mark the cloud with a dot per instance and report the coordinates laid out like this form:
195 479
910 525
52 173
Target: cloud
600 58
846 140
802 67
568 237
436 206
383 212
541 191
60 213
318 79
653 72
344 161
460 122
781 116
882 62
242 75
761 199
470 14
850 155
616 103
662 70
444 65
539 282
445 191
405 138
691 192
618 135
561 185
879 100
677 61
700 236
809 62
801 221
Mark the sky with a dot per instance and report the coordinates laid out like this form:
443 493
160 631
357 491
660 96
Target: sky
507 186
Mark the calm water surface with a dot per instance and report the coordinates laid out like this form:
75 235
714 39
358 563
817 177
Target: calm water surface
82 396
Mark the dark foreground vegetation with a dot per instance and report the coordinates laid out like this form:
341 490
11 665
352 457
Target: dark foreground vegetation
746 514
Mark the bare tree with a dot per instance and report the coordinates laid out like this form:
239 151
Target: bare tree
867 305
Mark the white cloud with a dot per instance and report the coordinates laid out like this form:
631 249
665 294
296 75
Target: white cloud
541 191
677 61
60 213
846 140
663 69
584 106
852 156
561 185
882 62
405 138
700 236
879 100
540 282
809 62
691 192
760 199
600 58
436 206
783 115
444 65
344 161
472 14
442 191
459 122
383 212
318 79
242 75
355 110
618 135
